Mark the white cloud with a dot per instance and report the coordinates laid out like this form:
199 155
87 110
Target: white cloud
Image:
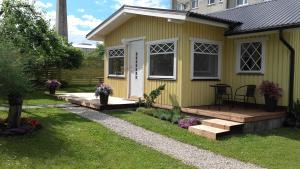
78 27
99 2
43 5
81 10
144 3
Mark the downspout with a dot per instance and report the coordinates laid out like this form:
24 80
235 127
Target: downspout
292 69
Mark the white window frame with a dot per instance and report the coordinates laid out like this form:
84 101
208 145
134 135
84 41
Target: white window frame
180 7
238 55
174 40
197 4
198 40
108 60
211 3
245 2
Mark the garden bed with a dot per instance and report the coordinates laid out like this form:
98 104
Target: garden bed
174 116
27 126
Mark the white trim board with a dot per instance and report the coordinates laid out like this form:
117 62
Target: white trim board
220 51
173 40
127 12
238 43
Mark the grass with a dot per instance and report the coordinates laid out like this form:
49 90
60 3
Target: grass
39 97
79 89
275 149
69 141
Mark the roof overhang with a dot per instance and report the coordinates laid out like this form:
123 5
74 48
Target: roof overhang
127 12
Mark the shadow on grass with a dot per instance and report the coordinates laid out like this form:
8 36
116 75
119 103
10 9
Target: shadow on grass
48 142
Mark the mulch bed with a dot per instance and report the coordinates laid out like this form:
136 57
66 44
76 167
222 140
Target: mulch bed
27 126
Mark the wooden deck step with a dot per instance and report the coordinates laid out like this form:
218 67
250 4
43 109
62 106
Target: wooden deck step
223 124
208 131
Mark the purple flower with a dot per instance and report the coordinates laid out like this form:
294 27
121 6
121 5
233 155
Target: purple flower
53 84
186 123
271 89
103 89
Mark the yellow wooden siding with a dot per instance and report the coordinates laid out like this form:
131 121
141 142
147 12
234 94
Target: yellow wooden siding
294 39
276 64
185 92
196 93
152 29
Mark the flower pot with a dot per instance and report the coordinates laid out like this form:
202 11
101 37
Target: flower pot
52 90
271 103
104 99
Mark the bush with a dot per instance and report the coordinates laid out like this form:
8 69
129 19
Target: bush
146 111
157 114
166 116
150 98
176 118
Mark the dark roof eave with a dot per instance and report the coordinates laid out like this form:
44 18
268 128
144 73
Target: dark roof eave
210 18
274 28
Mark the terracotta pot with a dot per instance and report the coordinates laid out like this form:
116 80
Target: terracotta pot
271 103
104 99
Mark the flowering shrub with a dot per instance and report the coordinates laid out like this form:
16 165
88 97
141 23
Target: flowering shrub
27 126
186 123
53 84
103 89
270 89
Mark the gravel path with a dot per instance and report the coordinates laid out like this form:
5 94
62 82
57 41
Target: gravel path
190 155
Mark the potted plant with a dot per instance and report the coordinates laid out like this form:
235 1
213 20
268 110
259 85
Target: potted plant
103 91
272 92
52 85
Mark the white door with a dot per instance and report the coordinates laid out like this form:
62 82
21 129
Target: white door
136 69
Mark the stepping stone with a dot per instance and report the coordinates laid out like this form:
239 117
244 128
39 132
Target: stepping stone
208 131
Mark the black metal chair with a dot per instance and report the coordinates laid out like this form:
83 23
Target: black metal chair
248 92
223 92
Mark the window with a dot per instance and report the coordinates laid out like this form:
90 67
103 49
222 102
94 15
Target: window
180 7
241 2
210 2
205 61
162 59
250 56
116 62
194 4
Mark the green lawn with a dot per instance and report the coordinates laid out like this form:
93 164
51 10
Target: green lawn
38 97
275 149
79 89
69 141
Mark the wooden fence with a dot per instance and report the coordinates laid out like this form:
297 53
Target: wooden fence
88 74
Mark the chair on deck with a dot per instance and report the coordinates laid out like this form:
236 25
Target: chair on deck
243 93
223 92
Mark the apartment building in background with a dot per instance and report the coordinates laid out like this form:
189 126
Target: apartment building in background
209 6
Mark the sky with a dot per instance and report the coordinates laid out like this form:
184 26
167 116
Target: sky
85 15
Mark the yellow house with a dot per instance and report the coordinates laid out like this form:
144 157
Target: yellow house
189 52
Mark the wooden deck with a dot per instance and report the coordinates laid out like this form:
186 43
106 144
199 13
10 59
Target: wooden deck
89 100
237 114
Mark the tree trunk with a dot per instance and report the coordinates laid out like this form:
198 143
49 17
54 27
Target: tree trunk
15 110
